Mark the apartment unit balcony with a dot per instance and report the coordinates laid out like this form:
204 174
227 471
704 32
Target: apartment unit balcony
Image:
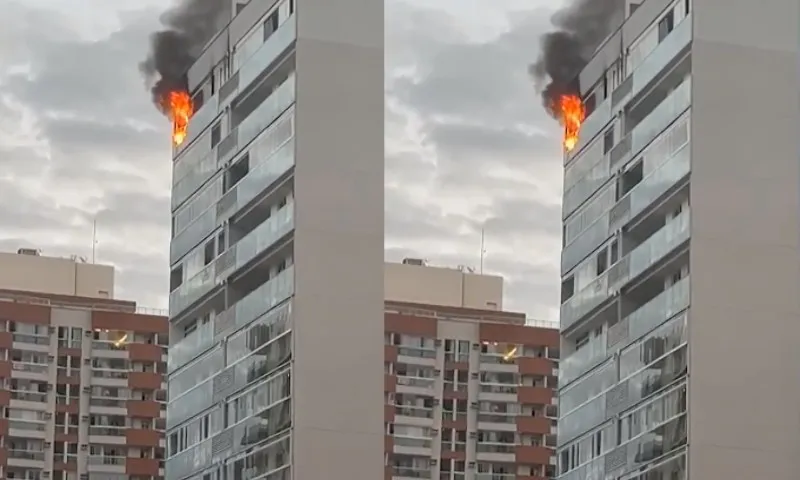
657 247
267 112
600 348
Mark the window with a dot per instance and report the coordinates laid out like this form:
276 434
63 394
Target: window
176 278
666 25
631 178
602 261
608 140
614 252
216 134
567 289
271 25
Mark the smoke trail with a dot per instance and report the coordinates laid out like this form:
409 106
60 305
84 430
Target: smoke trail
188 27
580 28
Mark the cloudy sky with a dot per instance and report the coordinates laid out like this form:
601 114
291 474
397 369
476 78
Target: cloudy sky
468 146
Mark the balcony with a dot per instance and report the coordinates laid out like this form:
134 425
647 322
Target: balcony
399 473
266 113
256 303
264 174
190 346
653 187
652 250
276 227
254 66
279 101
648 130
653 313
658 60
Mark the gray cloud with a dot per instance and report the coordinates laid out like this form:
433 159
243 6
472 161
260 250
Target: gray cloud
85 144
481 154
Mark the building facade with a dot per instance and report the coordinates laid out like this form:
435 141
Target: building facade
469 388
277 248
82 389
681 249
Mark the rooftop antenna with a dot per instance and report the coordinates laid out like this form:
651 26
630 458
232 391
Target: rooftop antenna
483 250
94 238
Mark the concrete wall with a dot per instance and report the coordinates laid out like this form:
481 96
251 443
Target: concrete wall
744 391
338 376
60 276
447 287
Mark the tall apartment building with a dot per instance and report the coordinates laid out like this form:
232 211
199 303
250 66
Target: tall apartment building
469 387
81 375
680 265
277 248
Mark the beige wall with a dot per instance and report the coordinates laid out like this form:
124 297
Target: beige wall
744 387
60 276
448 287
337 377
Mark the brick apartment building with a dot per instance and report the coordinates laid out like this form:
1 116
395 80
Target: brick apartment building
81 374
469 388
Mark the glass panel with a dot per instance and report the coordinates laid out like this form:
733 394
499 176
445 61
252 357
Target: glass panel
194 374
597 382
582 360
662 55
269 51
266 113
262 299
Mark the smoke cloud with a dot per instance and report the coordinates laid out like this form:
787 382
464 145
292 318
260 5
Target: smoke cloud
188 26
580 27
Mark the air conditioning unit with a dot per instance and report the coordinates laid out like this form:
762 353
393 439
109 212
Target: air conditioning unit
414 261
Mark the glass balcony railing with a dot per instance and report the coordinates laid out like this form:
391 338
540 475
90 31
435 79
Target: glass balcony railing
649 252
582 360
651 188
644 134
647 317
243 251
651 126
662 56
655 312
262 299
192 289
189 461
191 346
270 109
260 239
192 235
593 469
673 234
268 53
266 172
652 65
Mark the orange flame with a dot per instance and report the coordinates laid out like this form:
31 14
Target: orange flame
179 106
572 115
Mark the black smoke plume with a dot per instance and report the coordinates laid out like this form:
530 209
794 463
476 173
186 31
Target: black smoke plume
188 26
580 27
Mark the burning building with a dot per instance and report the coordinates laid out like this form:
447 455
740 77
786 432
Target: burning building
187 27
580 28
680 240
277 124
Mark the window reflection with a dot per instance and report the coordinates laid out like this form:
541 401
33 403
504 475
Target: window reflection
261 332
663 340
262 461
